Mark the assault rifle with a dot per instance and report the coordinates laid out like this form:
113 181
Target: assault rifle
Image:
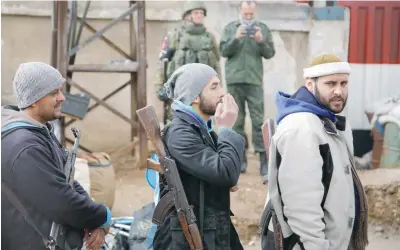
268 131
57 232
167 167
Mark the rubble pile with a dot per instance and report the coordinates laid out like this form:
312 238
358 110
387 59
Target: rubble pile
384 203
382 187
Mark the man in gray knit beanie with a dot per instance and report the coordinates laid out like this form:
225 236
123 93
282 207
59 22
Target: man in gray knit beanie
208 160
197 85
32 165
187 82
37 87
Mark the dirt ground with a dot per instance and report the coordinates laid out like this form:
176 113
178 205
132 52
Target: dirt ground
247 204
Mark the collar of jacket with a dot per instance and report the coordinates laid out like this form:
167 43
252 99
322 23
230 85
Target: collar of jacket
13 118
331 127
190 115
237 22
304 101
195 29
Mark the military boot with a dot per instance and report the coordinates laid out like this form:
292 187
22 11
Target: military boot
244 164
264 167
246 146
263 164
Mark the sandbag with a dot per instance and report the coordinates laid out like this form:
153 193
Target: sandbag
102 178
82 174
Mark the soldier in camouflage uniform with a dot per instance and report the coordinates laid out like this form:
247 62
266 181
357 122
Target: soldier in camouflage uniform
244 43
189 43
164 57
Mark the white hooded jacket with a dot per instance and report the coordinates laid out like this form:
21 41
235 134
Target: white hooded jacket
311 175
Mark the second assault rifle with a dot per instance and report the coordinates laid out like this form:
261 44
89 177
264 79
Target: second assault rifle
167 167
268 131
57 232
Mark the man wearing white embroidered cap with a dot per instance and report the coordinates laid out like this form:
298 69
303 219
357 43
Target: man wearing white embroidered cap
313 186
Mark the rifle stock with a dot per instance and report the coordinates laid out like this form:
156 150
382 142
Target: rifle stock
187 219
268 130
154 165
148 118
69 171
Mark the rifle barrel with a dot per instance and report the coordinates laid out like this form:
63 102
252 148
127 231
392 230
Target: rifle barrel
69 171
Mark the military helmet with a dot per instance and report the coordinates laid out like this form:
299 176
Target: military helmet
190 5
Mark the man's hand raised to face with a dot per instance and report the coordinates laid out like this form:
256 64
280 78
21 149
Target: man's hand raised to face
227 112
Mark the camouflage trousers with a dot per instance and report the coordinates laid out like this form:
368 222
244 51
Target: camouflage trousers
254 96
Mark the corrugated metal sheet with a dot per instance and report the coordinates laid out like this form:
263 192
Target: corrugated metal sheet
369 83
374 31
374 54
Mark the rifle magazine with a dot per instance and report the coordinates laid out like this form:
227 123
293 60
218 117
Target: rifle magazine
163 208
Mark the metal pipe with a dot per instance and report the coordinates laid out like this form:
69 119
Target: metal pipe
103 99
106 40
61 62
83 19
107 68
133 44
53 53
100 32
141 86
73 22
105 105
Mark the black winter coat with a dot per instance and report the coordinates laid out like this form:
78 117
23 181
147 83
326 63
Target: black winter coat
202 156
31 166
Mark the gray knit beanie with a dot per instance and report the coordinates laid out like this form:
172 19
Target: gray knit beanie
33 81
187 82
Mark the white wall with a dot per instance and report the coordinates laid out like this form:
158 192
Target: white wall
296 39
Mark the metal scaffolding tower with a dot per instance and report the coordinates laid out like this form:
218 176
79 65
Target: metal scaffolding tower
66 33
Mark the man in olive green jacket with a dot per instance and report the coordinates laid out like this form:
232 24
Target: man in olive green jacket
244 43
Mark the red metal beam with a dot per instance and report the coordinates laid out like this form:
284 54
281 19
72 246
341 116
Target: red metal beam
374 31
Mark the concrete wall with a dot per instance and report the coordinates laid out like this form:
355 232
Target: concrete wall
27 38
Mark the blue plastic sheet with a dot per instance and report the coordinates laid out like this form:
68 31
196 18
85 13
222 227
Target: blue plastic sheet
152 178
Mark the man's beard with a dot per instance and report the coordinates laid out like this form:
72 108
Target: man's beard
327 104
47 116
207 108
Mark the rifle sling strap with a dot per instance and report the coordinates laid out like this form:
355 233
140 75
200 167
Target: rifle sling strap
18 205
268 215
163 208
265 219
201 208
